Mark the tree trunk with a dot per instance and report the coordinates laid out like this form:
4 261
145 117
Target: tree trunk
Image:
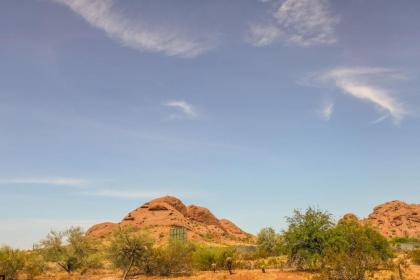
129 268
400 272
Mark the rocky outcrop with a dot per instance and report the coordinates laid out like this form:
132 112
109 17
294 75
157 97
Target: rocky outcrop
350 217
392 219
231 228
103 229
396 219
159 215
202 215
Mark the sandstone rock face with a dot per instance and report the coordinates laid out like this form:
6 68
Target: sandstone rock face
103 229
396 219
159 215
232 228
202 215
350 217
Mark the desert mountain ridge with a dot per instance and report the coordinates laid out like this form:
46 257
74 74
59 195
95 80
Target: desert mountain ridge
160 215
393 219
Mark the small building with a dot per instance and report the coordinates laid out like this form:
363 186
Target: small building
178 233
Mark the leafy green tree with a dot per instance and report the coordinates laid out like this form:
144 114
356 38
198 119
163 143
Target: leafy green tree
306 236
12 262
71 250
131 250
352 250
268 242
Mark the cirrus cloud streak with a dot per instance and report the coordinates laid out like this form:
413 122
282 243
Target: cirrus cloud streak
298 22
56 181
187 110
102 14
364 84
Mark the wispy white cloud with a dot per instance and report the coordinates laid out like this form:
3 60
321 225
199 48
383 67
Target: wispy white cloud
326 111
136 34
126 194
187 110
74 182
144 193
299 22
362 83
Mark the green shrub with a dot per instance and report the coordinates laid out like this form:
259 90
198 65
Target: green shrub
35 264
204 257
305 237
352 250
402 240
415 256
268 243
71 250
12 262
175 258
131 250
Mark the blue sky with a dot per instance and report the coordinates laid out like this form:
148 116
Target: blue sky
250 108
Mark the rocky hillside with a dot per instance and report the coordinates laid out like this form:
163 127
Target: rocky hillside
158 216
394 219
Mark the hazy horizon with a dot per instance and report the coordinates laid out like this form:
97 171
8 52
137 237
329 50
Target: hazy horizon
251 108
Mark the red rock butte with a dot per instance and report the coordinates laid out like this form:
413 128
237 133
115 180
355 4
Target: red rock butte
396 219
393 219
159 215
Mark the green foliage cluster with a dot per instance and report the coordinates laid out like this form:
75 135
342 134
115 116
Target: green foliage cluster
35 264
306 237
352 250
415 256
405 240
210 258
130 250
12 261
72 250
175 258
268 243
347 250
312 241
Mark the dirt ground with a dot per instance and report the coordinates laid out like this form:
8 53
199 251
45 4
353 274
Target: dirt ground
220 275
413 273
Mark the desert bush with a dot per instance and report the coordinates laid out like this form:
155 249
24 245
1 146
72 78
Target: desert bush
278 262
35 264
268 243
205 257
402 240
131 250
175 258
352 250
12 262
415 256
305 238
71 250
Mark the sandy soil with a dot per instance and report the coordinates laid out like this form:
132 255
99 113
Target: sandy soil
238 275
413 273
